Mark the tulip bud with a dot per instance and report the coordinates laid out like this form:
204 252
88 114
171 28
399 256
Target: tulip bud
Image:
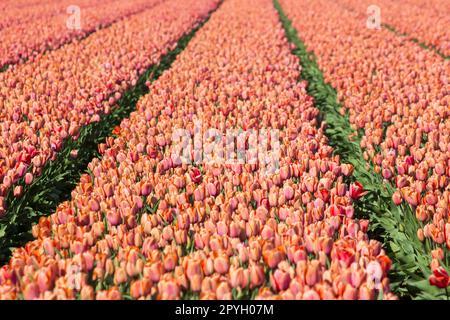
257 276
397 198
288 192
74 154
28 178
18 190
221 265
280 280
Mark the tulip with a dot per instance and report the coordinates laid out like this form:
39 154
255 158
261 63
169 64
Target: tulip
31 291
169 290
221 265
208 266
94 205
411 196
280 280
310 295
21 169
237 278
285 172
195 283
431 199
356 191
272 258
397 198
170 261
347 169
365 293
193 269
288 192
120 276
18 190
223 291
87 293
28 178
439 278
140 288
212 190
146 189
341 189
387 174
196 176
74 154
256 276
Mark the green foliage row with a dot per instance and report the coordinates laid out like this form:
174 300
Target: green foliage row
395 226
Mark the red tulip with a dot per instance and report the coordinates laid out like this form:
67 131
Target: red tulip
196 175
356 191
439 278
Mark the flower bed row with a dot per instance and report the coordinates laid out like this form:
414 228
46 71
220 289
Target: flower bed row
49 100
27 202
30 39
16 12
143 225
397 99
428 24
59 177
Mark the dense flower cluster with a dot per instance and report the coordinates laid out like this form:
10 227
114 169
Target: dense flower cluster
426 21
398 94
141 225
31 38
21 11
45 101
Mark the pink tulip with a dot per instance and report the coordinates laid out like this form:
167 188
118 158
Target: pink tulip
310 295
221 265
288 192
356 191
18 190
280 280
256 276
31 291
28 178
397 198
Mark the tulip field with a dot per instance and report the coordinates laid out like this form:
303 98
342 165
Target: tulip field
225 149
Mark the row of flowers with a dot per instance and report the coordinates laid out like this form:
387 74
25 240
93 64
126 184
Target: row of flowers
30 39
397 95
426 21
143 225
46 101
22 11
